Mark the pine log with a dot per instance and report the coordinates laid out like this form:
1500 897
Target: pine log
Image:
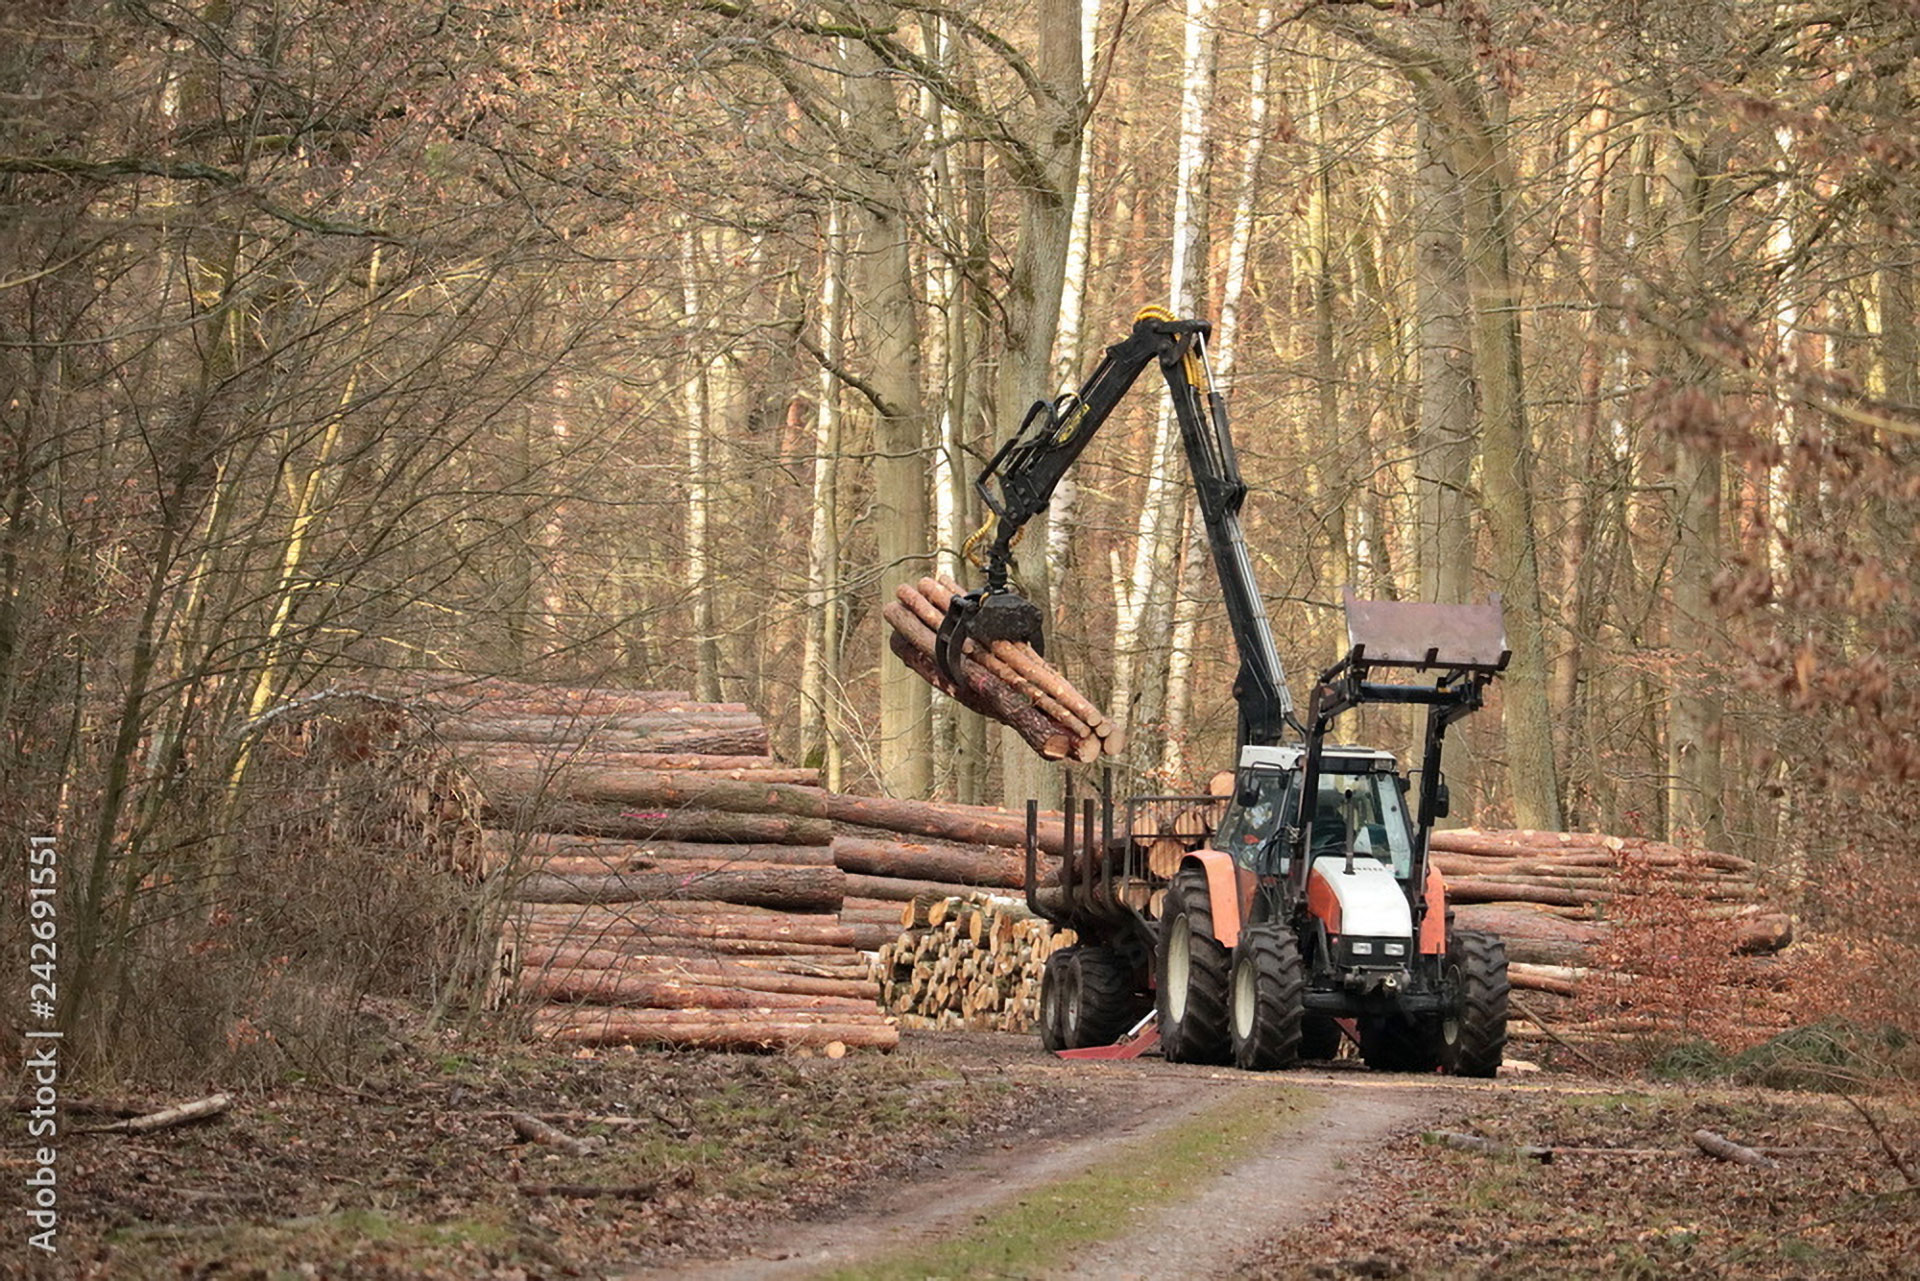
612 987
1478 891
727 735
901 889
539 921
713 1029
541 762
613 852
650 789
979 690
649 825
961 824
804 978
788 889
935 861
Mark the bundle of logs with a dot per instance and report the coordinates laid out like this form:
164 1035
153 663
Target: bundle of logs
1005 681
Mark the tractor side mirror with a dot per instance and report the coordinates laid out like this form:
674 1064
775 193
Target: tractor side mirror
1442 800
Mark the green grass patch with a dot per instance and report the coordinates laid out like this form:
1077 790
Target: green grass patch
1048 1224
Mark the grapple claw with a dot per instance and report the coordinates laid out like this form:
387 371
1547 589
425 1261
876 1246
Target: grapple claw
985 616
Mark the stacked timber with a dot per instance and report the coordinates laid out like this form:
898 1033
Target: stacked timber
671 882
1005 681
1597 928
970 961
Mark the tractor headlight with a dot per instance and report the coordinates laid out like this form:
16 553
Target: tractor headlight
1374 953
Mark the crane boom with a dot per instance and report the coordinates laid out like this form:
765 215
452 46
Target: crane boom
1018 483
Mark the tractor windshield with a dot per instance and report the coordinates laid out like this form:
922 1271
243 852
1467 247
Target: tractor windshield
1371 807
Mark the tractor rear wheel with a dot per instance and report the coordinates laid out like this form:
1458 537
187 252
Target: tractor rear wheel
1193 974
1269 999
1473 1032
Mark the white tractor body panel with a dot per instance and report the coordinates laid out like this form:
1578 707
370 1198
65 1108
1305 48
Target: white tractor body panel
1369 901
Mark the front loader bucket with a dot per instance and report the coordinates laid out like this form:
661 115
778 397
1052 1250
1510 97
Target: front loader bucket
1466 638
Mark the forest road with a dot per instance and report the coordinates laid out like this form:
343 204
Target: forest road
1347 1122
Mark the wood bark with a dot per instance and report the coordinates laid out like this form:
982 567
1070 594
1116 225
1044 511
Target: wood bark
722 827
528 759
714 1029
967 865
753 974
963 824
717 734
981 692
616 854
789 889
615 987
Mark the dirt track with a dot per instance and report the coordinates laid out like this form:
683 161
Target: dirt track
1345 1122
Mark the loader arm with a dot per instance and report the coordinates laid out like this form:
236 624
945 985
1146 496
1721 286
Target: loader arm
1018 483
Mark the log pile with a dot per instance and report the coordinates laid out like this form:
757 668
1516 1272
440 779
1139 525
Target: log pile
1002 680
970 961
671 882
1595 925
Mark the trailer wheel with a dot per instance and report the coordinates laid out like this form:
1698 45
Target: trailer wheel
1269 999
1473 1032
1192 975
1319 1037
1053 996
1101 1003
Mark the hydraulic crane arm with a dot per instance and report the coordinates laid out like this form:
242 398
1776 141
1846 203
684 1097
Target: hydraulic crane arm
1018 483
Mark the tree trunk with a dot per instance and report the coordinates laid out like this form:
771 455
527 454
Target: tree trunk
889 316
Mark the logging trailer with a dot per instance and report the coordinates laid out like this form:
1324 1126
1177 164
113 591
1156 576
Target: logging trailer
1315 911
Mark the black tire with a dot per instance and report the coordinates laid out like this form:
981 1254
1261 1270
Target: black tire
1473 1034
1101 1004
1319 1037
1053 994
1391 1043
1268 999
1192 975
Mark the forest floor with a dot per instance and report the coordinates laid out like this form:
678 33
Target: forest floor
978 1155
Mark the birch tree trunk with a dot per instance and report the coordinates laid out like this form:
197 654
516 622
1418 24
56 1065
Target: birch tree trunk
820 648
1143 653
695 402
1196 564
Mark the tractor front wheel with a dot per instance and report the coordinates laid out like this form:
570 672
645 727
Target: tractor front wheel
1269 999
1193 974
1473 1031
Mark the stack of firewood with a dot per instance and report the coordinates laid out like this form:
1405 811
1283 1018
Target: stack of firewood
1005 681
969 961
